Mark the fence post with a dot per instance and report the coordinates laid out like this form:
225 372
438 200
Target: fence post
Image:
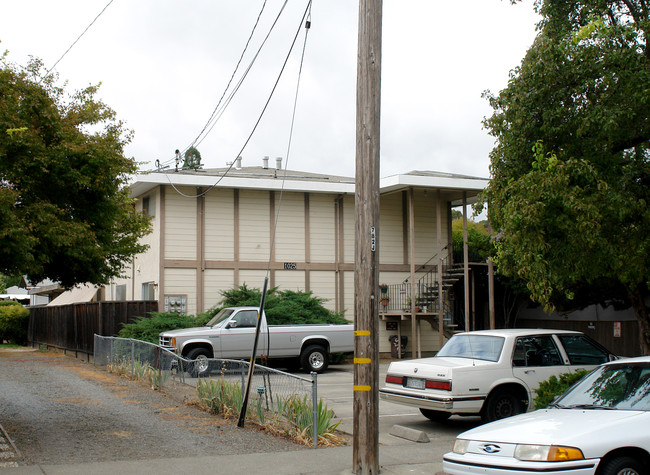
314 404
132 359
243 376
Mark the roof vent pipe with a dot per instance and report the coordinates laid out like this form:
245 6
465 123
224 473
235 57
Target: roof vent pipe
238 163
278 163
265 162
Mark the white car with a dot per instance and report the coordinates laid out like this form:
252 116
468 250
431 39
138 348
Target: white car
491 373
599 426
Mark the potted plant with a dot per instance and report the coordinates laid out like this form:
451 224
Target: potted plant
385 299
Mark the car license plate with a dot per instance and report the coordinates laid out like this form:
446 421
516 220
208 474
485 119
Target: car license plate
415 383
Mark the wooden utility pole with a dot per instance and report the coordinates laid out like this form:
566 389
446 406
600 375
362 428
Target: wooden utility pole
366 256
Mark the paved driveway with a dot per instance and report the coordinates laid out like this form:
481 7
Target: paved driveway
335 388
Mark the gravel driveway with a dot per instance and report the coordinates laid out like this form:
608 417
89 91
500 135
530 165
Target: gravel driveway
60 410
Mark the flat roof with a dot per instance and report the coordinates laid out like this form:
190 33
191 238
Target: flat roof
260 178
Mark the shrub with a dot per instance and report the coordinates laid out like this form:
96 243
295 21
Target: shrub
14 320
553 387
286 307
148 328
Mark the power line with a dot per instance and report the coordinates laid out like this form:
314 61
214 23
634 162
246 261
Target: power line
241 57
293 121
78 38
240 82
218 112
259 119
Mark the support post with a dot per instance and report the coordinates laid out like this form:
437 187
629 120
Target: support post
490 264
466 264
314 406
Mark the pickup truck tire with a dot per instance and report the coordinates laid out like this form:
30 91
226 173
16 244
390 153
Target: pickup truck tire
199 364
435 416
501 404
314 358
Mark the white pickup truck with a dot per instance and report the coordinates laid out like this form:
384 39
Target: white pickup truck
230 335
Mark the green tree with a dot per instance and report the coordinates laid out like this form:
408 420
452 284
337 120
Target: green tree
65 213
570 169
478 239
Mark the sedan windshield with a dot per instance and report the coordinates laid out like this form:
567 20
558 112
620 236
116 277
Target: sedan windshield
480 347
220 317
619 386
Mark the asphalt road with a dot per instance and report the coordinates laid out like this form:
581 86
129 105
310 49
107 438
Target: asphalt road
335 388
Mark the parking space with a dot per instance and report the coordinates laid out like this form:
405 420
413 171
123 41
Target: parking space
335 389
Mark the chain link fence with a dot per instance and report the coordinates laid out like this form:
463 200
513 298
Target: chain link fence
275 397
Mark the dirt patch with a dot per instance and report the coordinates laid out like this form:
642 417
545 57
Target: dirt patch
60 410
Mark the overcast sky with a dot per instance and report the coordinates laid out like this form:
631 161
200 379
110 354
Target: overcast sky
164 64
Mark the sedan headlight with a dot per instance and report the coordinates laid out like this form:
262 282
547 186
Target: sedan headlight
547 453
460 446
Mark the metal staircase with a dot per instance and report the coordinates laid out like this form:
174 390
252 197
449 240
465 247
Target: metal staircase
396 298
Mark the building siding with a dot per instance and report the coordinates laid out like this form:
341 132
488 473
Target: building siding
322 228
180 224
323 286
391 230
214 282
290 230
220 225
182 282
254 225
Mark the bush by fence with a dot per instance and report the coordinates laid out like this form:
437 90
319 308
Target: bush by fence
14 321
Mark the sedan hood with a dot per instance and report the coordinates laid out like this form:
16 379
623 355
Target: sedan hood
559 426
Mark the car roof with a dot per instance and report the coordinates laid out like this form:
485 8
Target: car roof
636 359
520 332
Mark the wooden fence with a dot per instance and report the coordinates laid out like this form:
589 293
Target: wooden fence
623 343
72 327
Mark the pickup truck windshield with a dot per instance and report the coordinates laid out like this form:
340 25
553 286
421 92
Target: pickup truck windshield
220 317
480 347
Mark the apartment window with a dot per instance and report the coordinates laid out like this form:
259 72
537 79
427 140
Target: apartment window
120 292
148 291
148 206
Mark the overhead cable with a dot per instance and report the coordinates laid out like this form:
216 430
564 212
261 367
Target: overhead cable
78 38
259 119
293 121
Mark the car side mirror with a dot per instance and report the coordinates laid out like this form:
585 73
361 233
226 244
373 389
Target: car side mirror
232 324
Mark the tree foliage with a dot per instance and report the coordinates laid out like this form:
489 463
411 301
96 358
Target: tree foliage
570 171
283 307
65 213
14 320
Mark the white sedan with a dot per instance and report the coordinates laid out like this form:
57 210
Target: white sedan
491 373
600 426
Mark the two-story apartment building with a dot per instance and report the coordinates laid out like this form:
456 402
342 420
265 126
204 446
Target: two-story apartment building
217 229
